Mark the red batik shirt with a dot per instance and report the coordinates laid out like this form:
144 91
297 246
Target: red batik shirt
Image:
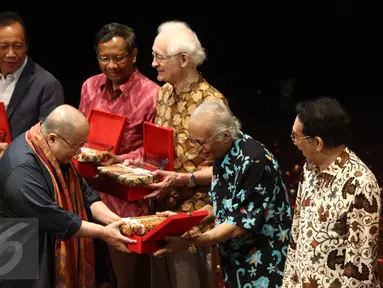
136 100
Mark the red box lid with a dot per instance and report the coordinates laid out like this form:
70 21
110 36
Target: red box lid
158 143
106 130
5 133
175 225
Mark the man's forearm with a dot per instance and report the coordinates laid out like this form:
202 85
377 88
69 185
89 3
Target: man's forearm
202 177
89 230
210 215
102 213
219 234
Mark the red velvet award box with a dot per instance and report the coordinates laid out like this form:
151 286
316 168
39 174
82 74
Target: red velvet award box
106 131
174 225
158 154
5 133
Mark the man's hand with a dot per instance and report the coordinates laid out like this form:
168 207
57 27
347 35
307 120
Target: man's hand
175 244
166 213
109 158
170 181
112 235
133 162
3 146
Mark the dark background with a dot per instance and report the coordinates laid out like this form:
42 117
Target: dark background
329 48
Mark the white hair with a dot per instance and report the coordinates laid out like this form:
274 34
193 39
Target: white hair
218 117
183 39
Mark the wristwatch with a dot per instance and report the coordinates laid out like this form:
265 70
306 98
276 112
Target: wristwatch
192 181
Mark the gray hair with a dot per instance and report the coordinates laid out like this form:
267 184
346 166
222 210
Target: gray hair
218 117
183 39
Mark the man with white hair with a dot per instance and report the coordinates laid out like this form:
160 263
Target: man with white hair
249 201
177 53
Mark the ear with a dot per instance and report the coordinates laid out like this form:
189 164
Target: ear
134 55
184 60
51 138
319 144
226 137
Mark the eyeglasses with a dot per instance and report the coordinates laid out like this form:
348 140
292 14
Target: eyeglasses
161 58
202 144
118 59
299 139
75 150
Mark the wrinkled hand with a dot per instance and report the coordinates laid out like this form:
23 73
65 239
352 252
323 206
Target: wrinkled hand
170 180
175 244
112 235
3 146
133 162
193 232
166 213
109 158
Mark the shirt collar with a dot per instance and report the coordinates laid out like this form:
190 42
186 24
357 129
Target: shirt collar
335 166
108 84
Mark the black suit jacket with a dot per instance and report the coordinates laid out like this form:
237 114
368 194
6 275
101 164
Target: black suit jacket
36 94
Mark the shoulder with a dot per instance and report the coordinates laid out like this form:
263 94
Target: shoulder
95 80
43 75
19 157
361 176
147 86
209 92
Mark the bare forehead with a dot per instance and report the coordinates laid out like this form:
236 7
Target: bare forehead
14 30
297 126
116 43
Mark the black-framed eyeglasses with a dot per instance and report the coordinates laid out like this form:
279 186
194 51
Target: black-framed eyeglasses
118 59
163 58
299 139
75 150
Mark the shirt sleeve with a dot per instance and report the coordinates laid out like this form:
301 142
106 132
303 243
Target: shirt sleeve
360 264
84 105
90 196
247 207
291 252
26 193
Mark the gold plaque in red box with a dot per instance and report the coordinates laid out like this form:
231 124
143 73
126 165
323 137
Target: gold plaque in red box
155 230
128 176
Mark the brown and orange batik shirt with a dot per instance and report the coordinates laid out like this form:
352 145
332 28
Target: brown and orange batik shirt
334 241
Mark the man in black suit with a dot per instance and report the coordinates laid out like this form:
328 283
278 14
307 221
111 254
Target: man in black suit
28 91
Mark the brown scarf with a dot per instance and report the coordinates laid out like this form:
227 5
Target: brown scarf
74 257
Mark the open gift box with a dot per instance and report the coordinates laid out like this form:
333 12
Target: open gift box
5 133
174 225
106 131
158 154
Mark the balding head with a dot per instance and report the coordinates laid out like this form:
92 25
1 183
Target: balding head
66 129
66 121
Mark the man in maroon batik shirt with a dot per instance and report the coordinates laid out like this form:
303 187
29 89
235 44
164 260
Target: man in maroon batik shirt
122 89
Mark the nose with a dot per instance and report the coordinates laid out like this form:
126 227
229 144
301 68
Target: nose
111 65
155 63
10 52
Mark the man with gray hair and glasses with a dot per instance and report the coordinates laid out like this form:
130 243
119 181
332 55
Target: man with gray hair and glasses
249 202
